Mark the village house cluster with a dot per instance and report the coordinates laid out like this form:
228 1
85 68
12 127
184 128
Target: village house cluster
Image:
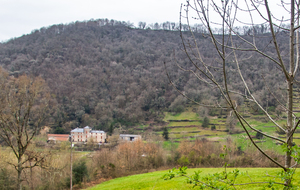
86 134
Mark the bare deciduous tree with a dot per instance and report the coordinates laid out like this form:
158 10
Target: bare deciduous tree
259 47
142 25
24 103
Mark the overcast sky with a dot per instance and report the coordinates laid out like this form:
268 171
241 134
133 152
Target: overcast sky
18 17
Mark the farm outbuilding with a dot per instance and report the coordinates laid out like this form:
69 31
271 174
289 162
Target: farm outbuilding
128 137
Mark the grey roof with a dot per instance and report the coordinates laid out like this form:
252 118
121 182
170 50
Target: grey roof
96 131
127 135
79 130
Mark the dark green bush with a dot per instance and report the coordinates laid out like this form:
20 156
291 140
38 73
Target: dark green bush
183 161
80 172
259 135
213 128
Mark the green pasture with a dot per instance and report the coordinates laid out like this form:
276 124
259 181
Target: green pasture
191 126
143 126
185 123
202 133
217 121
169 145
265 143
297 138
149 181
189 115
220 127
191 129
185 129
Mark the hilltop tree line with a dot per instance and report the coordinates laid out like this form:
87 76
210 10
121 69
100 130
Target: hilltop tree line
106 73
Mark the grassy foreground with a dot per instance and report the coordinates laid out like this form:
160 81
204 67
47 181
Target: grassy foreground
154 180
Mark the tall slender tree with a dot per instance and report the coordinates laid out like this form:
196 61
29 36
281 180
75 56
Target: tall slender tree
235 51
165 133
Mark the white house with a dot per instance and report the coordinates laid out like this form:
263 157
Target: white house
85 134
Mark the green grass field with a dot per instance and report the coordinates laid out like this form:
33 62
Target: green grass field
187 115
184 123
149 181
181 129
187 129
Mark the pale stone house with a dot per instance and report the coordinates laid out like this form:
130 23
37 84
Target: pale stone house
86 134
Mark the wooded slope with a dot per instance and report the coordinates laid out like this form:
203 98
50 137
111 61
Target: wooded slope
108 73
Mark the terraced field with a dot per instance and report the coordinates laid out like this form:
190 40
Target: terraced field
187 126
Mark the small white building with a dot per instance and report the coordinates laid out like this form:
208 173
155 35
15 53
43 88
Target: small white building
127 137
86 134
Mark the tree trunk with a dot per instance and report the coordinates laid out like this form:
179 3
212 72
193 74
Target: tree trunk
71 159
289 140
288 157
290 80
19 172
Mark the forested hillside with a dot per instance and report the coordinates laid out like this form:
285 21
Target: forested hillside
102 74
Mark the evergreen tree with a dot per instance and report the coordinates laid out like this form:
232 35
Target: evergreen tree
205 122
79 171
111 129
165 134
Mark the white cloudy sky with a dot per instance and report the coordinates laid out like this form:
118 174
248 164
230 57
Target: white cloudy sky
18 17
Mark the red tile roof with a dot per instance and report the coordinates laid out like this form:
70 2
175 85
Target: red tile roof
58 137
